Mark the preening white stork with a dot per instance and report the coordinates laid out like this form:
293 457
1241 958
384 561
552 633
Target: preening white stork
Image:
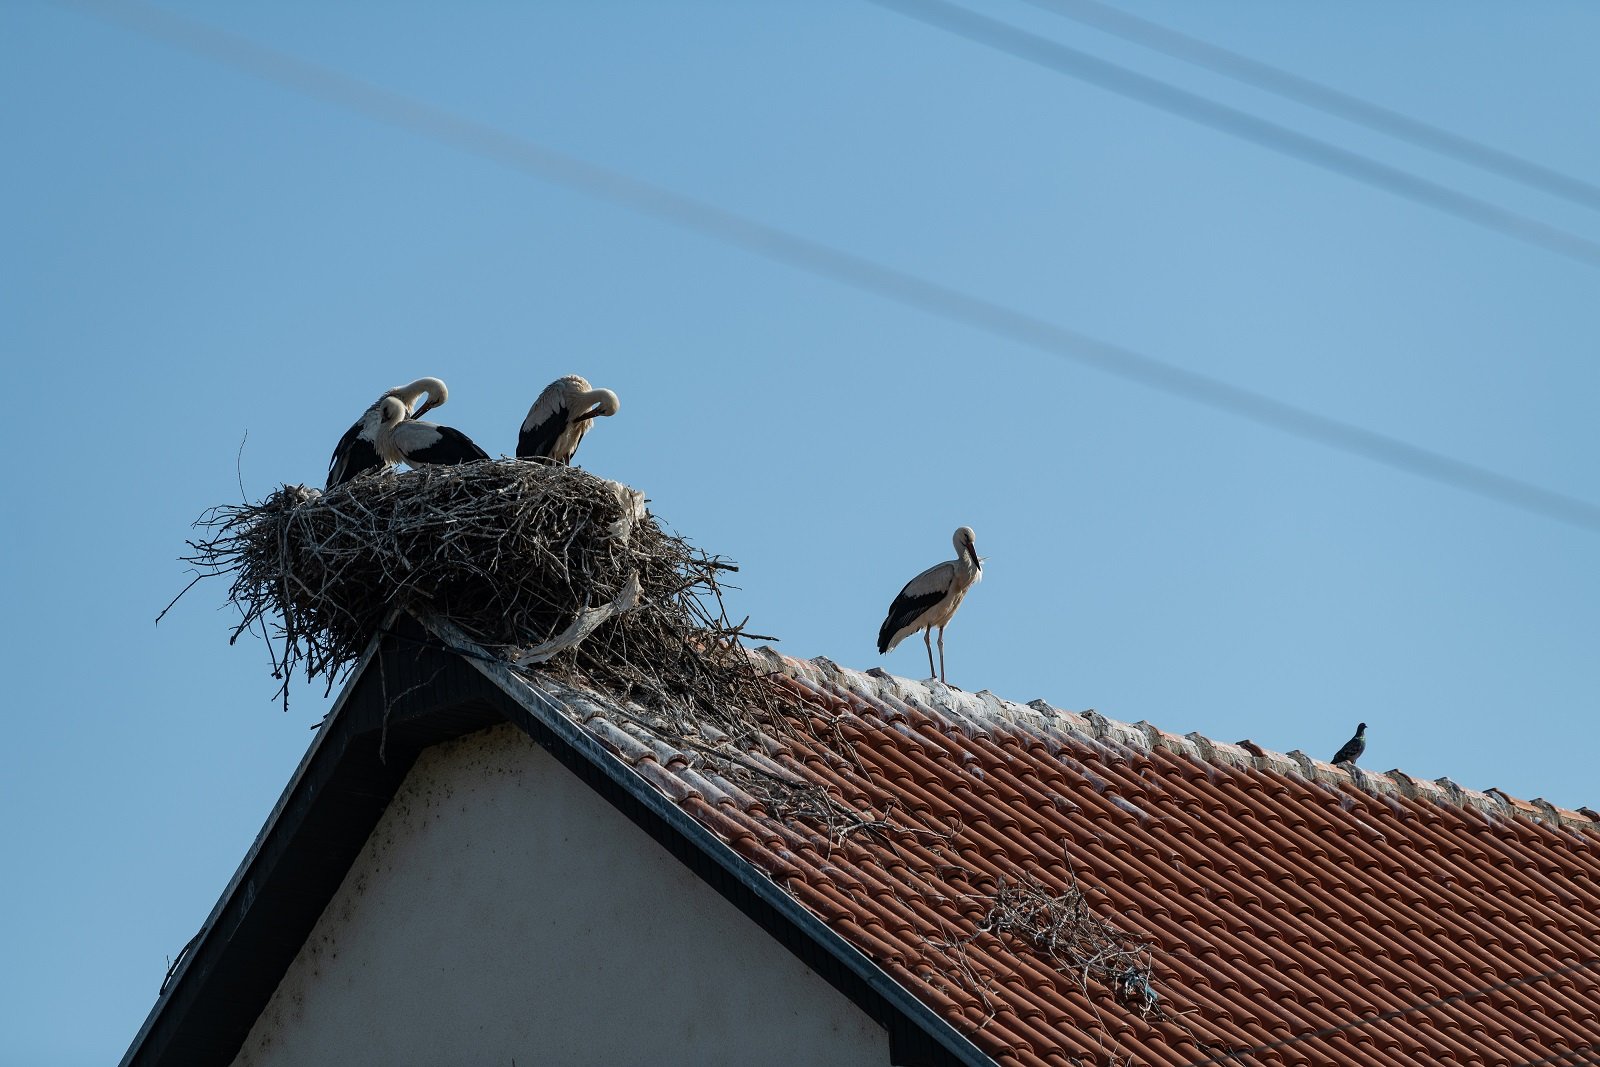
561 416
357 450
931 598
403 440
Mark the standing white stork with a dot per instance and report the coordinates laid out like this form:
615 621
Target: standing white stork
931 598
561 416
403 440
357 450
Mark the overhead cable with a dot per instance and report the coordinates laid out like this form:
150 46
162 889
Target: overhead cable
846 268
1410 1009
1044 52
1324 98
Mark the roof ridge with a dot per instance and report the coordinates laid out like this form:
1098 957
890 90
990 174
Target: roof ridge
972 710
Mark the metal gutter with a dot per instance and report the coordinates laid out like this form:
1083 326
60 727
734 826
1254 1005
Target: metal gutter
551 715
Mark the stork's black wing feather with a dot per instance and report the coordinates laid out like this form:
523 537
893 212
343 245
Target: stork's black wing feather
352 455
453 446
539 440
903 612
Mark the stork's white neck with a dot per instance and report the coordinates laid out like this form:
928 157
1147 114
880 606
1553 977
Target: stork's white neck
391 411
604 400
409 394
966 546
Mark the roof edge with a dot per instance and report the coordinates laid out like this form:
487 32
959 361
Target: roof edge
344 782
192 950
975 709
551 714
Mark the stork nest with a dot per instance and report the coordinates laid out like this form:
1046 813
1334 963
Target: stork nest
545 564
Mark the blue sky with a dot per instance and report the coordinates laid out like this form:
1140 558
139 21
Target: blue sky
205 277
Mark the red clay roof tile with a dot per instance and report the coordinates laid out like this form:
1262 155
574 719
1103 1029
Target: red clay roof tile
1294 912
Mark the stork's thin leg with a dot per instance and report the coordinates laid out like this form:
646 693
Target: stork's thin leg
941 655
926 635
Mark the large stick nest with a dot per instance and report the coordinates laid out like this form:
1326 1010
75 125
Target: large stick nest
540 562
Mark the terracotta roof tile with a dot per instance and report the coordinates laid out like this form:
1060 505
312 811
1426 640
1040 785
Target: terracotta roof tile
1295 912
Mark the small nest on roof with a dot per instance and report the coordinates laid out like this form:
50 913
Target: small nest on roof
1064 928
546 564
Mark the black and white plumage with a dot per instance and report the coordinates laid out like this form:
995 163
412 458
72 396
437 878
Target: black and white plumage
411 441
561 416
357 450
1354 747
931 598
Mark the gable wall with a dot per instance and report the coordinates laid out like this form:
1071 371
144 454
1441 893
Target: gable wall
502 912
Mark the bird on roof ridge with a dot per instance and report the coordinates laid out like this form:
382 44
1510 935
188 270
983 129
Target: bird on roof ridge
931 598
1354 747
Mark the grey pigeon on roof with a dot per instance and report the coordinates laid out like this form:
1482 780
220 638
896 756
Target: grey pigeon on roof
1354 747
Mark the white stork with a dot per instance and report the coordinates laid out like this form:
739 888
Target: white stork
931 598
561 416
357 450
403 440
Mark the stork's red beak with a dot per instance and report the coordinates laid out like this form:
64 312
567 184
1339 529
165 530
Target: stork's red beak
591 413
424 409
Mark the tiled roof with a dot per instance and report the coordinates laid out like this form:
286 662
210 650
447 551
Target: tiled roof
1295 913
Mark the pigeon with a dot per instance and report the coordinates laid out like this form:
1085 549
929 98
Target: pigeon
1354 747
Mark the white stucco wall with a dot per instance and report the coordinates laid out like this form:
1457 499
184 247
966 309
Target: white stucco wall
503 913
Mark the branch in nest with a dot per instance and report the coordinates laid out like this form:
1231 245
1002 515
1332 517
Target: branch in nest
514 553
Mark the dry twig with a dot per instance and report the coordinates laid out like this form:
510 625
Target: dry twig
522 557
512 552
1065 929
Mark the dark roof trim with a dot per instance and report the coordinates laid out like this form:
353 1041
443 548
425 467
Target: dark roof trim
400 699
411 690
198 946
752 884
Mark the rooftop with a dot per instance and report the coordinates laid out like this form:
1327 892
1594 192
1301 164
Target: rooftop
1294 912
992 881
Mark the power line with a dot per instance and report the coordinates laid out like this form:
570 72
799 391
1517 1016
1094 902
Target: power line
1052 55
1396 1013
843 267
487 142
1547 1061
1324 98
